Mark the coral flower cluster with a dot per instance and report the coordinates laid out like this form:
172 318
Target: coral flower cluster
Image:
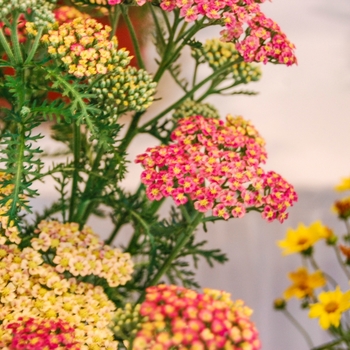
175 317
216 166
84 47
258 38
29 287
82 253
38 334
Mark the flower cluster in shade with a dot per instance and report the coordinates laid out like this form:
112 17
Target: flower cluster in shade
38 334
30 287
191 107
217 167
303 238
304 283
257 37
218 53
175 317
81 252
84 48
330 307
40 10
130 89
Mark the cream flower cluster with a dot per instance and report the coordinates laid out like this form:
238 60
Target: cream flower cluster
82 253
84 47
218 53
29 287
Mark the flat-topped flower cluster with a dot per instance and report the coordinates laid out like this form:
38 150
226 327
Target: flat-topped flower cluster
175 316
257 37
216 166
42 282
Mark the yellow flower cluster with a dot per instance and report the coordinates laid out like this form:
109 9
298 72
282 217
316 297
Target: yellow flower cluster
190 108
130 89
84 47
218 53
82 253
29 287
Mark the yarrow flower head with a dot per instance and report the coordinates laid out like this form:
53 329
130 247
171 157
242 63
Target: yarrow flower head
39 334
30 287
330 307
257 37
179 317
40 10
217 166
82 253
84 47
303 238
131 89
190 108
304 283
218 53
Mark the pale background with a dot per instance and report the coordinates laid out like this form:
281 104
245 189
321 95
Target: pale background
303 113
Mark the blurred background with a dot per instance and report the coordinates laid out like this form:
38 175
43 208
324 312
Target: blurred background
303 114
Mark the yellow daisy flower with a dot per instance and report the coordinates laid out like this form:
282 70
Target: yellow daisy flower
330 307
344 185
304 283
302 238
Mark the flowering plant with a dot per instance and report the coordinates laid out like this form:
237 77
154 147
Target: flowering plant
332 304
62 66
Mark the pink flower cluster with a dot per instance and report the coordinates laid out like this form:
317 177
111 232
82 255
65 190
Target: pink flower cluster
175 317
257 37
38 334
217 167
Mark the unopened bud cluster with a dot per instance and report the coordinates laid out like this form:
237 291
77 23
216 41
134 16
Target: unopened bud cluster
41 10
127 322
84 47
131 89
190 108
218 53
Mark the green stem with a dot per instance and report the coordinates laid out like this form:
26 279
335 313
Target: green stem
180 243
299 327
184 98
133 35
75 180
18 174
6 47
316 267
14 38
328 346
114 19
341 263
34 46
114 233
84 207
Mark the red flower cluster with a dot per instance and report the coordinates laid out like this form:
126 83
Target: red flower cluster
216 166
175 317
257 37
35 334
